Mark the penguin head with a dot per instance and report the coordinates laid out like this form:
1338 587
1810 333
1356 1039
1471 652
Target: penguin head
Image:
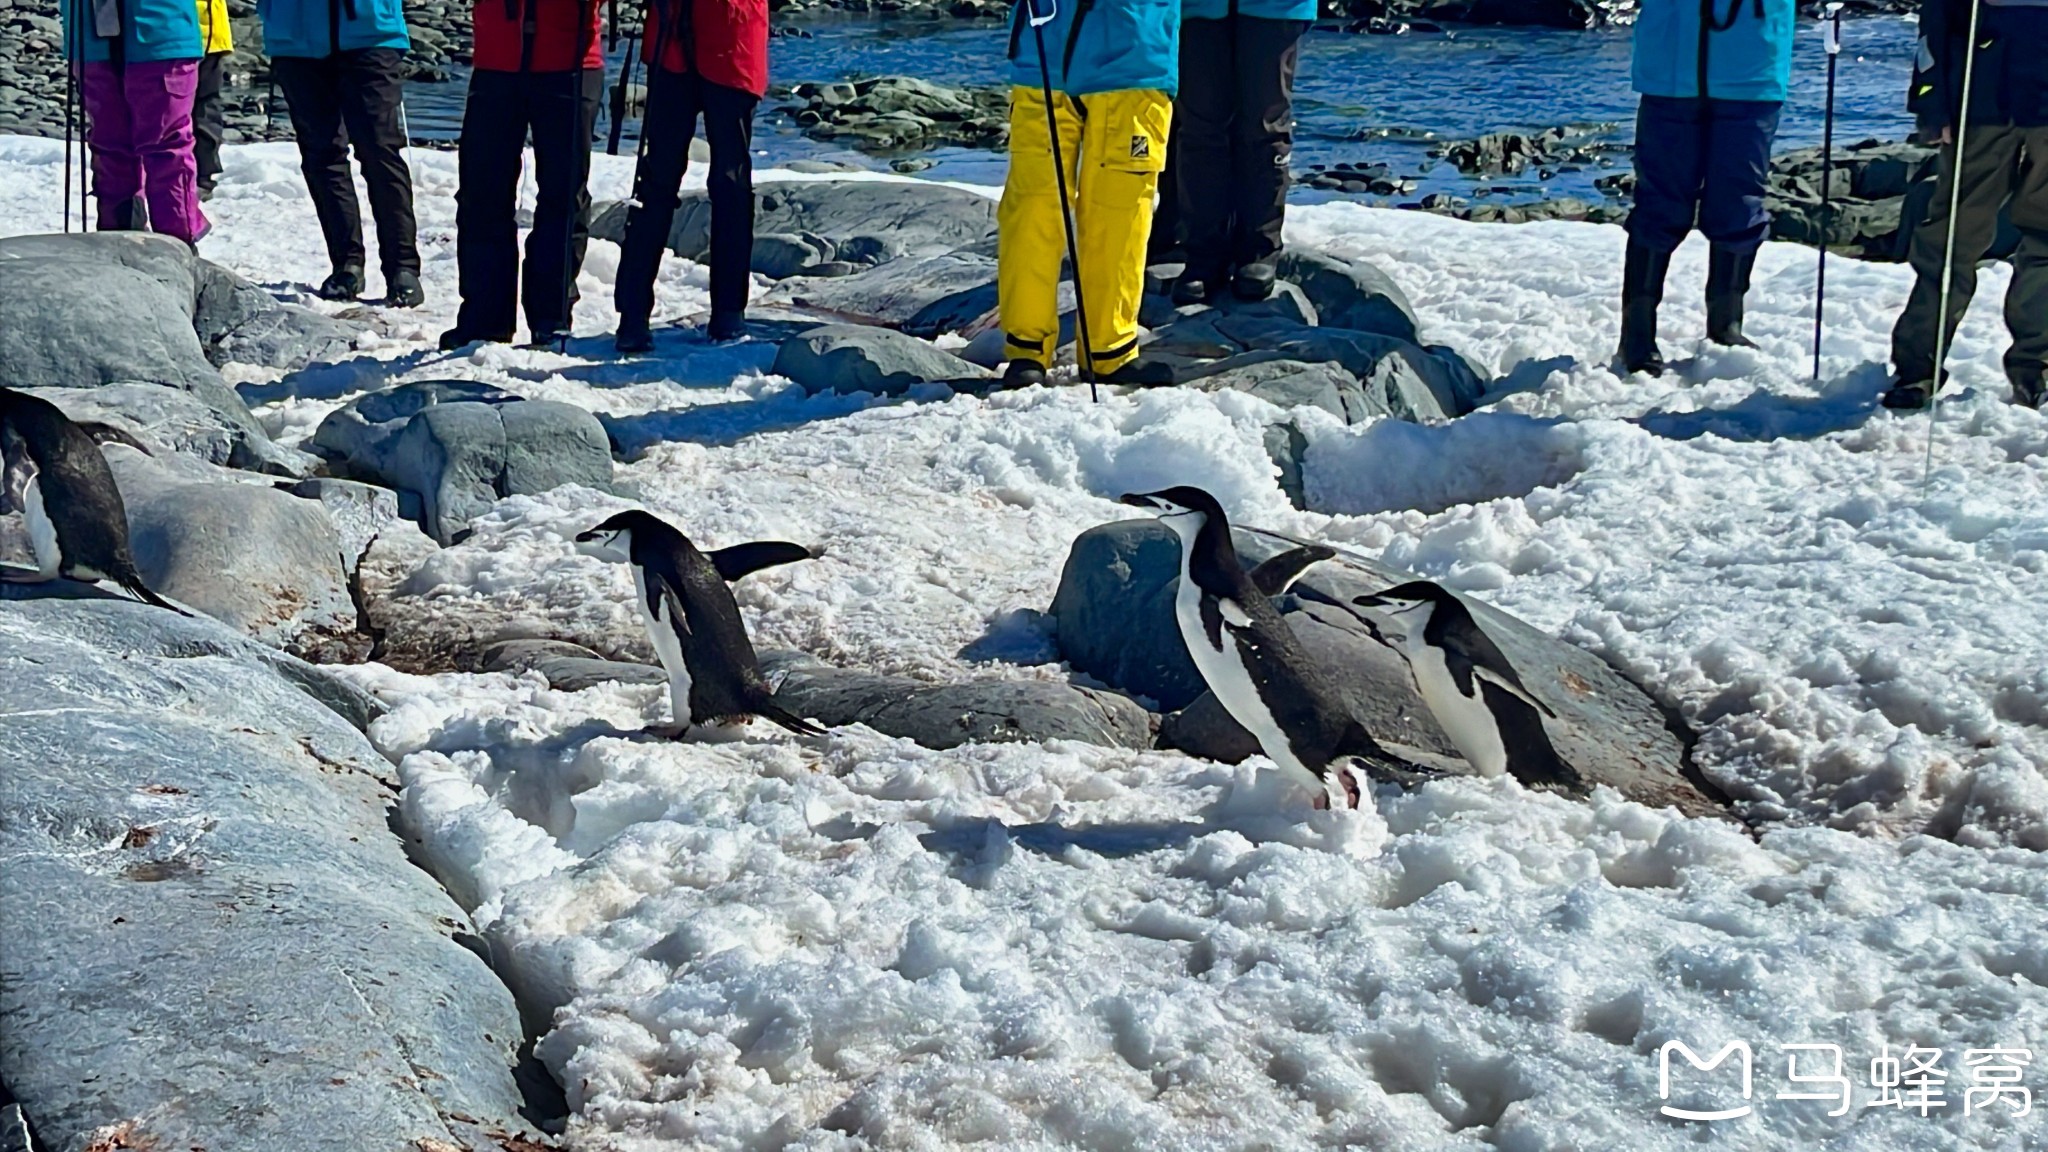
1174 503
613 539
1409 606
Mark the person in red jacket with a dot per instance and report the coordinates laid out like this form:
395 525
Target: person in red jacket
708 57
538 68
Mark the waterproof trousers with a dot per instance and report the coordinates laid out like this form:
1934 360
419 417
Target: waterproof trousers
1705 164
560 110
209 122
1114 145
1233 132
674 101
2004 164
351 100
141 139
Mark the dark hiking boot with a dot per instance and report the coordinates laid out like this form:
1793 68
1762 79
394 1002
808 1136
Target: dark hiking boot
1727 284
205 193
345 284
550 339
461 338
1194 287
130 215
1909 395
1141 374
1642 290
633 338
402 289
2031 391
725 327
1023 374
1253 281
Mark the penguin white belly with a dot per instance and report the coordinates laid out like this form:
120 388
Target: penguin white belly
1225 674
1465 719
42 535
661 632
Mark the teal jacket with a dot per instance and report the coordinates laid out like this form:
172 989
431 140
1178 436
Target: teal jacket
1262 9
320 28
1099 45
1745 53
150 30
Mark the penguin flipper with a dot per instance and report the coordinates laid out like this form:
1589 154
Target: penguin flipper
105 433
743 559
1357 744
1276 573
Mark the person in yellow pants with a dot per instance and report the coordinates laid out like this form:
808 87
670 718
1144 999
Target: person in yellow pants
1113 65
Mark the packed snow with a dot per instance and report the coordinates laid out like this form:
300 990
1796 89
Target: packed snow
855 942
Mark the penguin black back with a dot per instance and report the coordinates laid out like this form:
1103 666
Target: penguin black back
689 588
44 447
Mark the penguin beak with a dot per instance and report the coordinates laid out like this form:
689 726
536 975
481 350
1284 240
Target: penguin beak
1136 501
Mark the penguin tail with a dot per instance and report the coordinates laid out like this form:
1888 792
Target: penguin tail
770 710
141 591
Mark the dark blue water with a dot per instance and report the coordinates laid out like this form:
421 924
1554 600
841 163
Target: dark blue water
1458 84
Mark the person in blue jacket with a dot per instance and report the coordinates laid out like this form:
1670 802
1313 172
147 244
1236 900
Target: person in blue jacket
1113 65
1713 76
1233 131
341 66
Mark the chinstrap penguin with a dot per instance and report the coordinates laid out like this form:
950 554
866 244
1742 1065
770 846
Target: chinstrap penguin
1470 687
692 619
1250 657
52 472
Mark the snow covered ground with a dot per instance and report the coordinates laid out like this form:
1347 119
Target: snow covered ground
855 942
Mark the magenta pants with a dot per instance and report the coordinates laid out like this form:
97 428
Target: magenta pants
141 139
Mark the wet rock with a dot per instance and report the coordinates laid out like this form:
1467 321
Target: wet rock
214 940
894 113
947 715
1114 620
913 218
1511 153
459 447
778 256
852 358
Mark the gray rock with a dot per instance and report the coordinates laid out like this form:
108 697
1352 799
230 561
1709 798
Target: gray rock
851 358
1290 383
261 561
117 307
919 219
459 447
566 667
896 293
168 419
1114 619
214 941
947 715
1423 384
359 512
778 256
1350 293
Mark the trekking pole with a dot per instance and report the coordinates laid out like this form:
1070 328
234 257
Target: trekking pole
1832 24
1059 172
1948 255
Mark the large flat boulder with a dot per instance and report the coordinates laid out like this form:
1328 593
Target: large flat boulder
850 358
897 292
119 308
458 447
903 217
264 562
213 939
1114 619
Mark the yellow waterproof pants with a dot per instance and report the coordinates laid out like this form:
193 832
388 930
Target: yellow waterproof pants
1114 146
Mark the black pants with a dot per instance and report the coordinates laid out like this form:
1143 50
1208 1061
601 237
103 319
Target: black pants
351 99
560 110
1233 131
208 123
1704 164
673 104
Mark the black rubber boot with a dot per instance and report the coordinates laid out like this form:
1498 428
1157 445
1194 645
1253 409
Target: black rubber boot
2030 390
345 284
633 336
1194 287
726 327
402 289
1254 281
130 215
1642 290
1023 374
1727 284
